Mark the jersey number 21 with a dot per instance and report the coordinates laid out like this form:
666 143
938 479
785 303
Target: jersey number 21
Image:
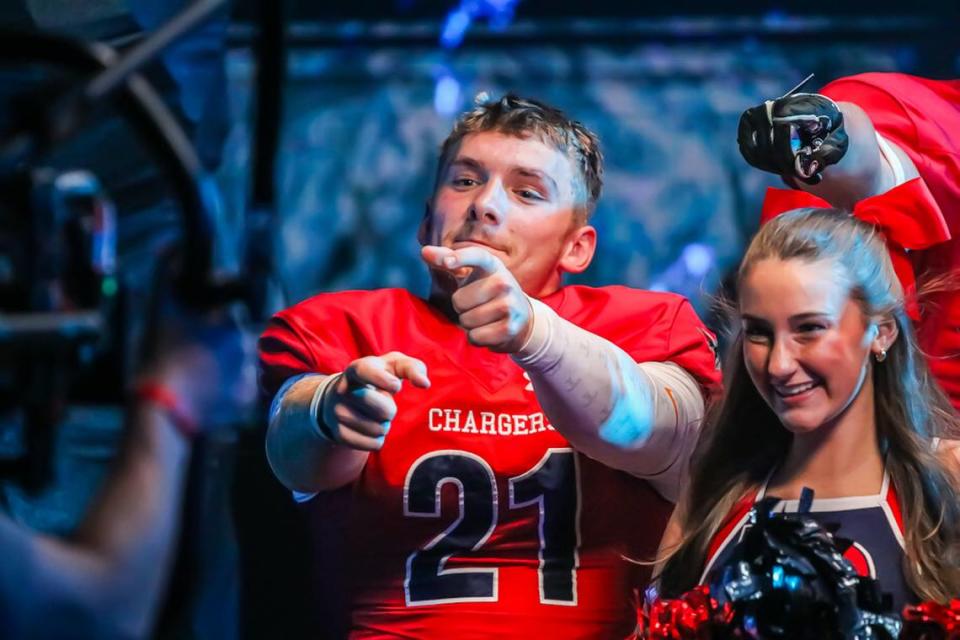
551 485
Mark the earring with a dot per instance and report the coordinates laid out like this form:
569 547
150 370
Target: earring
882 355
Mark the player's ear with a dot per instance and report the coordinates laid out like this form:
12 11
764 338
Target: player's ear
426 225
578 250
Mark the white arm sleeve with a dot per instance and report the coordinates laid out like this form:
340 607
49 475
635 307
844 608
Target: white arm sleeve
641 418
316 401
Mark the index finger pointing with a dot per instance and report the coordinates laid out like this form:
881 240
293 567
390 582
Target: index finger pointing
435 255
438 257
479 259
403 366
372 371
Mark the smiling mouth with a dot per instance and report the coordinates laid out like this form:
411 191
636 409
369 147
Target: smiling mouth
794 390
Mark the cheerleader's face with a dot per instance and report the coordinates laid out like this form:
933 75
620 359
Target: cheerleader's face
807 343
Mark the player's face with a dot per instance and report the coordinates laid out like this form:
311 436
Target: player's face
806 343
516 198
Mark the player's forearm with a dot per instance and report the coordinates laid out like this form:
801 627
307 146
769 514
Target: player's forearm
108 580
862 172
301 458
639 418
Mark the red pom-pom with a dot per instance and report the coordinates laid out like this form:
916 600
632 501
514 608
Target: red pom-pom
932 621
692 616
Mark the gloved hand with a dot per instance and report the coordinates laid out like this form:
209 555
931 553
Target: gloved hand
796 136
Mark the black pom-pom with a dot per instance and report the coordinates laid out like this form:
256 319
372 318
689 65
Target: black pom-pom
787 578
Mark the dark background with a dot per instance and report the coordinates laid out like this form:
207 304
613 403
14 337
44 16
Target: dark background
371 90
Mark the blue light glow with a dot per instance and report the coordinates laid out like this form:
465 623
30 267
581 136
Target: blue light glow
446 95
776 574
499 14
455 28
698 259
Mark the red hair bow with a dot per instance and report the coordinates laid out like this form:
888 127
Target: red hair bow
907 216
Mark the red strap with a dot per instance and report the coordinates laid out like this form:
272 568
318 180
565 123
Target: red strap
893 501
907 215
163 397
740 509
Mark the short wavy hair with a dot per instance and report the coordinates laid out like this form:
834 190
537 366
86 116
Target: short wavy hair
525 117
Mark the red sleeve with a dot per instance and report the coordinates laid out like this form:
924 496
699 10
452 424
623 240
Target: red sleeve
876 94
315 336
283 354
694 347
922 117
650 326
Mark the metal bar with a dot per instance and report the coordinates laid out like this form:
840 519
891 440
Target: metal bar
185 21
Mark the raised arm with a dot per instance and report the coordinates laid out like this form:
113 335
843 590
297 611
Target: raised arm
642 418
107 580
638 417
830 149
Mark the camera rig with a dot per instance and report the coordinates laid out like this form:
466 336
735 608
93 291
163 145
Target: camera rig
59 285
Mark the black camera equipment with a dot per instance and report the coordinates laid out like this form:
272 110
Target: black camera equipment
59 286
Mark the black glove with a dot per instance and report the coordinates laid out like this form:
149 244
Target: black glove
798 135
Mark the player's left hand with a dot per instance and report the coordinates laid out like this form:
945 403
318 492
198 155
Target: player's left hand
489 301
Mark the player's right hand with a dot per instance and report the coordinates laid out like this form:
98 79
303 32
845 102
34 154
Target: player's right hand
796 136
360 406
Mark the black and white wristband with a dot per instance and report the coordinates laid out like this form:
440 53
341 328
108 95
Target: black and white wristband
322 429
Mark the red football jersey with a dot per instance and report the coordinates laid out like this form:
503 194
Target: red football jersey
476 519
922 117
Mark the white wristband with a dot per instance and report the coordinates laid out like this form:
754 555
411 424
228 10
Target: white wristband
320 427
541 335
